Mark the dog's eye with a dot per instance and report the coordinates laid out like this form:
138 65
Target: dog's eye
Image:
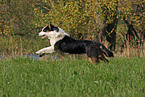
57 30
44 30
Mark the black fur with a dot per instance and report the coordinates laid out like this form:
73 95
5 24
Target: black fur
72 46
50 28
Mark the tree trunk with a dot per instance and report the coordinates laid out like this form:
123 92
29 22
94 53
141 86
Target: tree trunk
132 34
109 31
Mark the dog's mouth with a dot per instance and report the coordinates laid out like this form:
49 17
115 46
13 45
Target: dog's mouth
43 36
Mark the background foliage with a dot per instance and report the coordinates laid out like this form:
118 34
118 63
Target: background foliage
116 23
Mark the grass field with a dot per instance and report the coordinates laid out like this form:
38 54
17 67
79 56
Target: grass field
23 77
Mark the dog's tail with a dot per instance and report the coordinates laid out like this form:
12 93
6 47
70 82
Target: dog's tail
107 52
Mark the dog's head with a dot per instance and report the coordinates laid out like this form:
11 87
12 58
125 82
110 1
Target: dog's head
52 32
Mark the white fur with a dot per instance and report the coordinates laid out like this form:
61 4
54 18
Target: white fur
54 37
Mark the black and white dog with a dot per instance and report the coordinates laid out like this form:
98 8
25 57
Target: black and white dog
61 41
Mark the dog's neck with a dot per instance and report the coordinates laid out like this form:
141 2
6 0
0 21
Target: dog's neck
54 40
62 34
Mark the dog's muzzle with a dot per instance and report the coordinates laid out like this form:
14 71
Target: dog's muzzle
42 34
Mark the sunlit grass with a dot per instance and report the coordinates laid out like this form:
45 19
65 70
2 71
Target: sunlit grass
23 77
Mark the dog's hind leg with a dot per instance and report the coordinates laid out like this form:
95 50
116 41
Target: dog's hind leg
94 60
93 54
103 59
101 55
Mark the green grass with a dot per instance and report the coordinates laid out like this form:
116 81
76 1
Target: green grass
23 77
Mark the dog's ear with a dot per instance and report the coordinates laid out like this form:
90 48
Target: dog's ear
49 25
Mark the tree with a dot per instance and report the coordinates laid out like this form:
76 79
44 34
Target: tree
135 19
109 14
82 19
16 17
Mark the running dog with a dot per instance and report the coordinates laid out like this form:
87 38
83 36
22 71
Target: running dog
61 41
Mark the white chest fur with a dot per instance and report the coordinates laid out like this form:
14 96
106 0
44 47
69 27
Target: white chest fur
54 40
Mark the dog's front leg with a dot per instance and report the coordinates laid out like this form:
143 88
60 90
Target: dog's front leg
46 50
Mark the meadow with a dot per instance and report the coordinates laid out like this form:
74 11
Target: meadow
26 77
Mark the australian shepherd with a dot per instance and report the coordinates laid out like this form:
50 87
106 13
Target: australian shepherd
61 41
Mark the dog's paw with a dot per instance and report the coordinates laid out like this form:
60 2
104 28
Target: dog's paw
38 52
42 54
